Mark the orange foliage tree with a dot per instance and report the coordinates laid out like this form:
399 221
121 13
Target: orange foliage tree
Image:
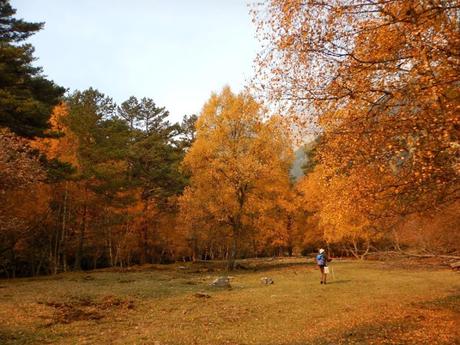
239 168
22 199
379 81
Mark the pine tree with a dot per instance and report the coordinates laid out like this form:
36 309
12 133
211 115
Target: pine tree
26 96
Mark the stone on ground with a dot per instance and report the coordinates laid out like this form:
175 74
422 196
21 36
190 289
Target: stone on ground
267 281
221 282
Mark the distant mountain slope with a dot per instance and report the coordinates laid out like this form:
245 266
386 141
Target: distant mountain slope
299 161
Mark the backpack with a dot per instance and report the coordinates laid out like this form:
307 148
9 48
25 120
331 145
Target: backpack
320 260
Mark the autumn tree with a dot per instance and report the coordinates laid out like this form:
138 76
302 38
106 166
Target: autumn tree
379 81
239 167
20 174
100 191
127 159
26 101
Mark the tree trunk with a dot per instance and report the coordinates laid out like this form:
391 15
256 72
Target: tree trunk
289 233
144 244
368 246
231 264
63 241
144 237
13 263
354 250
39 266
212 252
237 225
79 252
117 251
396 240
108 240
55 248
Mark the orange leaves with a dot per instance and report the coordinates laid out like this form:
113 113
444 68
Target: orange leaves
380 82
19 167
65 146
23 195
239 166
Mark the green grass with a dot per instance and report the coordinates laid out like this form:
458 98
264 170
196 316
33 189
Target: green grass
367 303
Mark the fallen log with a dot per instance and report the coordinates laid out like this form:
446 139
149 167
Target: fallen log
424 256
455 265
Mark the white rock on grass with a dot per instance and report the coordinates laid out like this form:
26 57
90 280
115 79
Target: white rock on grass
221 282
267 281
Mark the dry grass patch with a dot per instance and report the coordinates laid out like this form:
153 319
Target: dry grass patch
82 308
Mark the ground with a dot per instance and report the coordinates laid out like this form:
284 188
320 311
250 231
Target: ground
370 302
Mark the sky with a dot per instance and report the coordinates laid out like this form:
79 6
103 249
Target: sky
174 51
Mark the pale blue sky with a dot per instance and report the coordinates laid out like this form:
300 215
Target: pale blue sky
174 51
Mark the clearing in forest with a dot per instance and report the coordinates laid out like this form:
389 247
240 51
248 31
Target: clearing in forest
367 303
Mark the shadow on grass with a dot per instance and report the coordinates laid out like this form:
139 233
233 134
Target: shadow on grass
395 331
18 336
451 302
369 333
338 281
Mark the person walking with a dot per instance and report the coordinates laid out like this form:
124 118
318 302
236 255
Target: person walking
321 261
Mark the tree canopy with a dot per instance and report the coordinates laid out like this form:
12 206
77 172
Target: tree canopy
239 166
379 82
27 97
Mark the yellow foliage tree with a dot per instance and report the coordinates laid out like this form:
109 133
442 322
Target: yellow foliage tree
379 80
334 218
239 167
65 146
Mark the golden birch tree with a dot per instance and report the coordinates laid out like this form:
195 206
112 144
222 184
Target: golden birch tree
239 167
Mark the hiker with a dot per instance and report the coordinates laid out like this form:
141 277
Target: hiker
321 260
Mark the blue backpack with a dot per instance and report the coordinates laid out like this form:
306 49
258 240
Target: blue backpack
320 260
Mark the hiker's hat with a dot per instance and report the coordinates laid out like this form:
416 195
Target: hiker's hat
321 251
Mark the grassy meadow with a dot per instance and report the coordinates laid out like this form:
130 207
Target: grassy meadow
370 302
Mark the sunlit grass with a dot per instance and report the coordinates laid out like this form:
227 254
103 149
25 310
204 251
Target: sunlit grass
367 302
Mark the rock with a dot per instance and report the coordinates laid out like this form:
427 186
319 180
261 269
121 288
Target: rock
201 295
267 281
181 268
221 282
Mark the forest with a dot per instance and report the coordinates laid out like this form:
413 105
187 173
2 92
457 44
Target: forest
366 93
